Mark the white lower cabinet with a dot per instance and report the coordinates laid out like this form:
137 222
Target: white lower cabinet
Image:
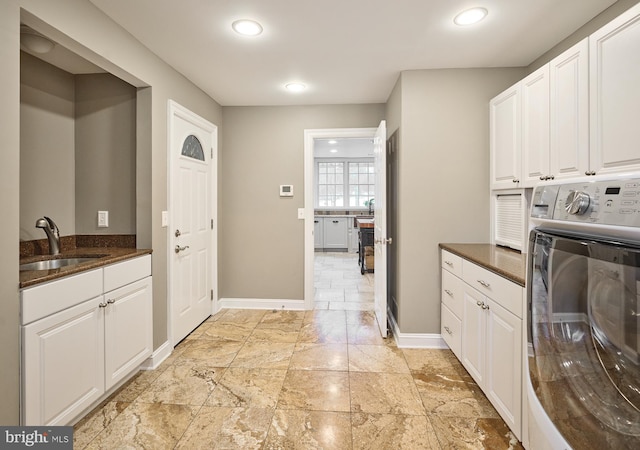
488 341
128 330
63 364
73 356
451 330
503 371
318 228
335 233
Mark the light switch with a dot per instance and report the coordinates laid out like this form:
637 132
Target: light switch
300 213
103 219
165 219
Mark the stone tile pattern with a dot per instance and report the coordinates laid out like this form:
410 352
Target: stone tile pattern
321 379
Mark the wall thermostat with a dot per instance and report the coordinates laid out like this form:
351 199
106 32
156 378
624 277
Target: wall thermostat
286 190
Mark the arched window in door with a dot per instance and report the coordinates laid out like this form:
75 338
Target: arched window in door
192 148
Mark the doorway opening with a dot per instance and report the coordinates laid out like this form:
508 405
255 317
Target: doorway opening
344 197
339 198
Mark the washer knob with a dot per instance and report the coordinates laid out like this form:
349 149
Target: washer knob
577 203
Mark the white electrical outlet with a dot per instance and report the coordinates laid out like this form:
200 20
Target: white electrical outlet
103 219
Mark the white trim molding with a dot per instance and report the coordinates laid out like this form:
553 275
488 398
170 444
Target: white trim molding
262 303
415 340
157 357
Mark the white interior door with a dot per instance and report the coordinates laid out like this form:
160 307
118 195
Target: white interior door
380 227
191 244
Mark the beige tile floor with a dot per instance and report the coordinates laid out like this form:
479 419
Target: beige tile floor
317 379
339 285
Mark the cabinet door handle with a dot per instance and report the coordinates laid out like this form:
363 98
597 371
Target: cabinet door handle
484 306
449 292
102 305
316 221
448 330
111 301
449 263
484 283
515 180
335 221
479 303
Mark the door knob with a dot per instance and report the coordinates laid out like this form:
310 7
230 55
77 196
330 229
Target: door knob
177 233
178 249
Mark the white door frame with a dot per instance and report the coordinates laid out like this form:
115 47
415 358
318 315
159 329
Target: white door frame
309 206
175 109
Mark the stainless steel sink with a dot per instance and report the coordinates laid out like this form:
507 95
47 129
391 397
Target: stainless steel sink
55 263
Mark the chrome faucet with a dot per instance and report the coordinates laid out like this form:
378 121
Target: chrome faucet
371 202
53 234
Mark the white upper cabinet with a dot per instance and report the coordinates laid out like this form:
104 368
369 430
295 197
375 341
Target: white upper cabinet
569 108
574 116
535 126
505 127
614 66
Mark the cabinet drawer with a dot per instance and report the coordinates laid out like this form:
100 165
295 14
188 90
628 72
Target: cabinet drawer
123 273
450 328
451 262
452 292
504 292
48 298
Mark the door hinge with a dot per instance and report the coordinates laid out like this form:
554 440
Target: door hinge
212 224
211 294
211 152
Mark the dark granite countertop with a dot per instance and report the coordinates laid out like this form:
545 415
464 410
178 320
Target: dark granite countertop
105 256
507 263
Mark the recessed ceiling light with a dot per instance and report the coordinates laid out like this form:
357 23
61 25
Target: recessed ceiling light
247 27
333 150
34 41
333 141
470 16
295 87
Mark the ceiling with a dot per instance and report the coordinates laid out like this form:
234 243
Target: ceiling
345 51
344 148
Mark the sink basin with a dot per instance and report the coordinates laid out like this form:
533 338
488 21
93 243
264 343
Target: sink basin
54 263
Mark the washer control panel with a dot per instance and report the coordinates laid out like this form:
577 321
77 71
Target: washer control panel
604 202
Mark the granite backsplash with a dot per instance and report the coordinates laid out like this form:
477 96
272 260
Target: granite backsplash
68 243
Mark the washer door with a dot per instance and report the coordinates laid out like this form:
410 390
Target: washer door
613 316
583 318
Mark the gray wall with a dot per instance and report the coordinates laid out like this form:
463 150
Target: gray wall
443 190
261 238
47 162
77 150
87 31
105 151
9 205
597 22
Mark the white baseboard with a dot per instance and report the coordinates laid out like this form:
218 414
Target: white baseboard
261 303
156 358
415 340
